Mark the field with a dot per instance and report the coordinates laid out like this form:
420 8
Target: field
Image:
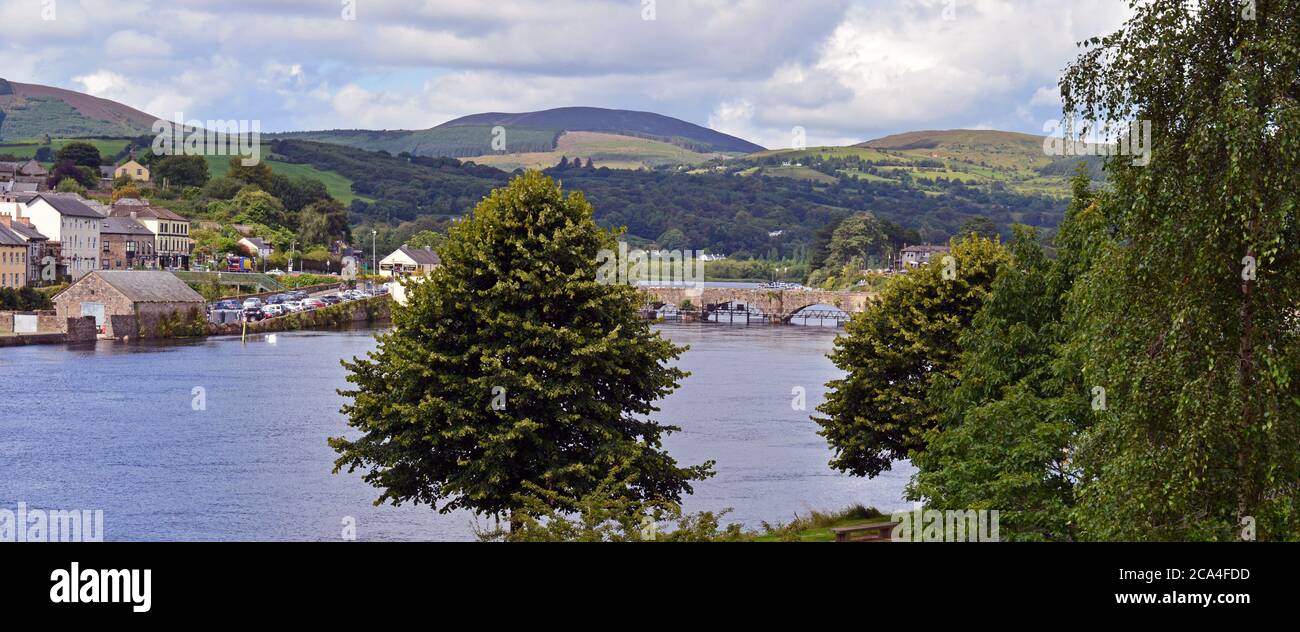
606 150
338 186
27 149
924 159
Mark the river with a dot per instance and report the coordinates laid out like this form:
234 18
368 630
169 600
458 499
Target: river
218 440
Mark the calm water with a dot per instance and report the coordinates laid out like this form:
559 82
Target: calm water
112 426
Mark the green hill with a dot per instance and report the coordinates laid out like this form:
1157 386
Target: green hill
29 111
615 138
932 161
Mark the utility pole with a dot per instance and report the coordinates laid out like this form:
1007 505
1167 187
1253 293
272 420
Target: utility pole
292 246
374 254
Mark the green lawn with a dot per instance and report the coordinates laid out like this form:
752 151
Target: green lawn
338 186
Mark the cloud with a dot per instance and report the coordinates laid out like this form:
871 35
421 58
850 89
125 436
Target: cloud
845 70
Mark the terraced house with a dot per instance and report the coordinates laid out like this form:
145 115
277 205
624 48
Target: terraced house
38 247
172 243
65 218
13 259
128 245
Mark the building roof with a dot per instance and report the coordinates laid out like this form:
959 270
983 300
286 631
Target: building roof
257 242
115 225
144 286
927 248
423 256
11 238
28 233
143 209
68 204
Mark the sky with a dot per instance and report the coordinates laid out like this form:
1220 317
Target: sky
843 71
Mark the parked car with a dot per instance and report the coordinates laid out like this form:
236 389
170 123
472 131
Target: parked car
273 310
313 303
276 272
298 295
293 306
230 304
276 299
332 299
253 314
253 303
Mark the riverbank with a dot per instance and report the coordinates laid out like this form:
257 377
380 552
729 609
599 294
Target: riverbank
368 312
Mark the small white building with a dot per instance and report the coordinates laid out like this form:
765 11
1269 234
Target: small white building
256 247
407 261
915 256
65 218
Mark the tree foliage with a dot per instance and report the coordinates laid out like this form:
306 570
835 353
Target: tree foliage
895 351
1191 326
512 365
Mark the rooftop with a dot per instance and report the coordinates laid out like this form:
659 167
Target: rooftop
422 256
144 286
69 204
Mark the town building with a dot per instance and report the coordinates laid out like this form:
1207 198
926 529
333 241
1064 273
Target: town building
132 170
407 261
10 171
134 303
128 245
172 243
13 259
65 218
256 247
914 256
38 249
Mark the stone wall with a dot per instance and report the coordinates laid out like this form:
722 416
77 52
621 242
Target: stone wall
47 322
347 314
81 329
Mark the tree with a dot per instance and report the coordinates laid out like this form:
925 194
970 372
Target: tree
512 364
1007 428
856 241
1191 343
978 225
82 154
298 192
181 171
126 191
427 239
259 174
259 207
893 353
323 222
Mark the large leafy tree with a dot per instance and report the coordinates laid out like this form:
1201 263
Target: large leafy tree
1192 306
181 171
324 221
1008 426
80 153
893 353
513 370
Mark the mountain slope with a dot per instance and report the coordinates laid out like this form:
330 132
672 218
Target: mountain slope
615 138
622 122
990 147
32 111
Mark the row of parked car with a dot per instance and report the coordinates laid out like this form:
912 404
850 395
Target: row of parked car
256 309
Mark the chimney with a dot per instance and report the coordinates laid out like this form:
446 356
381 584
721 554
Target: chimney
133 214
6 220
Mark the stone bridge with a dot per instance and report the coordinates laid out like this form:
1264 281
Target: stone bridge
778 306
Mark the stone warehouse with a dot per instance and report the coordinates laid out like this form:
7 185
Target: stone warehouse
133 303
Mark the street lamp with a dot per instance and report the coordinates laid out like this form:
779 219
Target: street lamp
374 254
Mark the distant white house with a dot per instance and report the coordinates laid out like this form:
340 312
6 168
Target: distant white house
407 261
256 247
915 256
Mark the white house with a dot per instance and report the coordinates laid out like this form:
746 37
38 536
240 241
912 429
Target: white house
256 247
65 218
409 261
